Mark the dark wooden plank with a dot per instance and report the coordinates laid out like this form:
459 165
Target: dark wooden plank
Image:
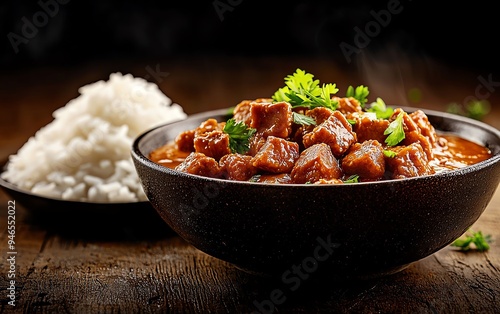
64 274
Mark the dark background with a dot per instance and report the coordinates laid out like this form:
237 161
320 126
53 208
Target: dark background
85 31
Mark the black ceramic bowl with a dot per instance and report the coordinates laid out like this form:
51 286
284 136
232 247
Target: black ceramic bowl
352 230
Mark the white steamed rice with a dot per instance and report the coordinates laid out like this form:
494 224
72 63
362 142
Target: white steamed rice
84 153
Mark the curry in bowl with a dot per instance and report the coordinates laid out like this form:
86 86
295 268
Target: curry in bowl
334 140
200 173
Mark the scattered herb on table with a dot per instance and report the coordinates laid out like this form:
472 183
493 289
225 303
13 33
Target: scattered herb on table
475 238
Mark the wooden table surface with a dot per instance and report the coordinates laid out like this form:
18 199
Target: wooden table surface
61 267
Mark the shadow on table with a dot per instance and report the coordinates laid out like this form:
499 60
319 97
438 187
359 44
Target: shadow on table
104 226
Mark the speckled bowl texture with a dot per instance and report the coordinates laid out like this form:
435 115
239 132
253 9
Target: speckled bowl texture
360 230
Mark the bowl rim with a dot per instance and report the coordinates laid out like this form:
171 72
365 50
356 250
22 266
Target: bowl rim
137 154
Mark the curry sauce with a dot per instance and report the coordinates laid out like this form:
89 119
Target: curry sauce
341 146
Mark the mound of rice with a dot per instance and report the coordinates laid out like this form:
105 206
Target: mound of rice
84 153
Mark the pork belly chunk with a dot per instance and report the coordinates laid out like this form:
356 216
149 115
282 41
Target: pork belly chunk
316 162
200 164
365 160
335 131
410 161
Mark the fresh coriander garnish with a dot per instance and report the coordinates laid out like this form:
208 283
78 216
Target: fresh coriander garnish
380 109
389 153
360 93
395 131
302 119
302 90
480 241
352 179
239 136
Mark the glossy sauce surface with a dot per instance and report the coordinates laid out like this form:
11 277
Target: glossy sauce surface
453 152
168 155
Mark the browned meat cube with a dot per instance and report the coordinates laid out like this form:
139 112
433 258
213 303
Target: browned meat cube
366 160
209 125
410 161
371 129
335 131
281 178
213 144
319 114
185 141
200 164
417 137
426 128
255 144
241 112
348 105
272 119
277 155
316 162
237 167
408 123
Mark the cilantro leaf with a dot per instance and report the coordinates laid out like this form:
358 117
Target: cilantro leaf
480 241
281 95
395 131
239 136
380 109
360 93
324 100
301 90
302 119
352 179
